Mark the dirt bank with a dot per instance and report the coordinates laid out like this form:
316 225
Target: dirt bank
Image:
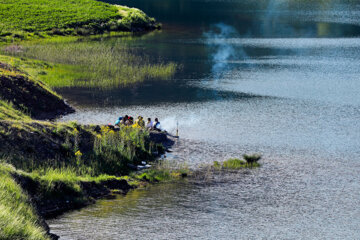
29 95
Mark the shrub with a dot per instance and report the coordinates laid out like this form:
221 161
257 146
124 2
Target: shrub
252 158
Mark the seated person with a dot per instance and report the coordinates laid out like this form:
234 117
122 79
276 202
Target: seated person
141 122
149 124
138 123
124 119
117 123
156 125
129 121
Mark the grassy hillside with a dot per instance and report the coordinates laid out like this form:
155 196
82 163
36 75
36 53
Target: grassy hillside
61 189
30 145
47 168
23 19
27 95
8 111
18 219
66 164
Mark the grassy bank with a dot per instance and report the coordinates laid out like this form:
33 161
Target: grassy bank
30 145
51 191
18 219
8 111
72 61
51 166
29 19
47 168
29 96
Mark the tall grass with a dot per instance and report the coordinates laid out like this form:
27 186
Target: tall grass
80 147
93 64
115 150
17 217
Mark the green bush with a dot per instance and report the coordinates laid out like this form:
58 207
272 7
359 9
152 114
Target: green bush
252 158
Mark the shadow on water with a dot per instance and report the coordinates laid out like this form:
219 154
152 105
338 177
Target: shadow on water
149 95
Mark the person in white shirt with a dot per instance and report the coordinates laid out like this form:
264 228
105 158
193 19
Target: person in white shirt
149 124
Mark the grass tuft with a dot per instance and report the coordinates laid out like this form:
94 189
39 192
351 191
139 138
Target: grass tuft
164 171
252 158
250 161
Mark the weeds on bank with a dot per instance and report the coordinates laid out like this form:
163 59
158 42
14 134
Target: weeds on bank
164 171
17 217
79 147
117 149
8 112
90 64
250 161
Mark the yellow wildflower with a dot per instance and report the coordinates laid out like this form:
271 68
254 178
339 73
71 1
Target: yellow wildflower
78 153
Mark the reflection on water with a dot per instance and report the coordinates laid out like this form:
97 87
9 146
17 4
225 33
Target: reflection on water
269 76
248 205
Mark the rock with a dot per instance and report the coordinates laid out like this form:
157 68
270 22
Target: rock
117 185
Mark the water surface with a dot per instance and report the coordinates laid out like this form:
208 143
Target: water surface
276 77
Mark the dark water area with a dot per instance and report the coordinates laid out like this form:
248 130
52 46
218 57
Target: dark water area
278 77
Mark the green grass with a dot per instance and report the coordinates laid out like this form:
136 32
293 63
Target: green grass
250 161
79 147
164 171
28 68
89 64
8 112
41 15
17 217
115 150
28 19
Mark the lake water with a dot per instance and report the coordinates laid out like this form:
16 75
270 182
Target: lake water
278 77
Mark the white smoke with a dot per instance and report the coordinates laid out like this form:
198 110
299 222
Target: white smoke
171 123
223 50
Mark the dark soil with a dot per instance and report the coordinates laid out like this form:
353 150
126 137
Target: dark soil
31 97
38 142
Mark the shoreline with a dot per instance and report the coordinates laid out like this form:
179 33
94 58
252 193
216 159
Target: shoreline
31 140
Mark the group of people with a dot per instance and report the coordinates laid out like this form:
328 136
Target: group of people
138 123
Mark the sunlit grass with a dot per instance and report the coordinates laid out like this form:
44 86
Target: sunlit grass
8 112
164 171
17 217
106 151
92 64
250 161
35 19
